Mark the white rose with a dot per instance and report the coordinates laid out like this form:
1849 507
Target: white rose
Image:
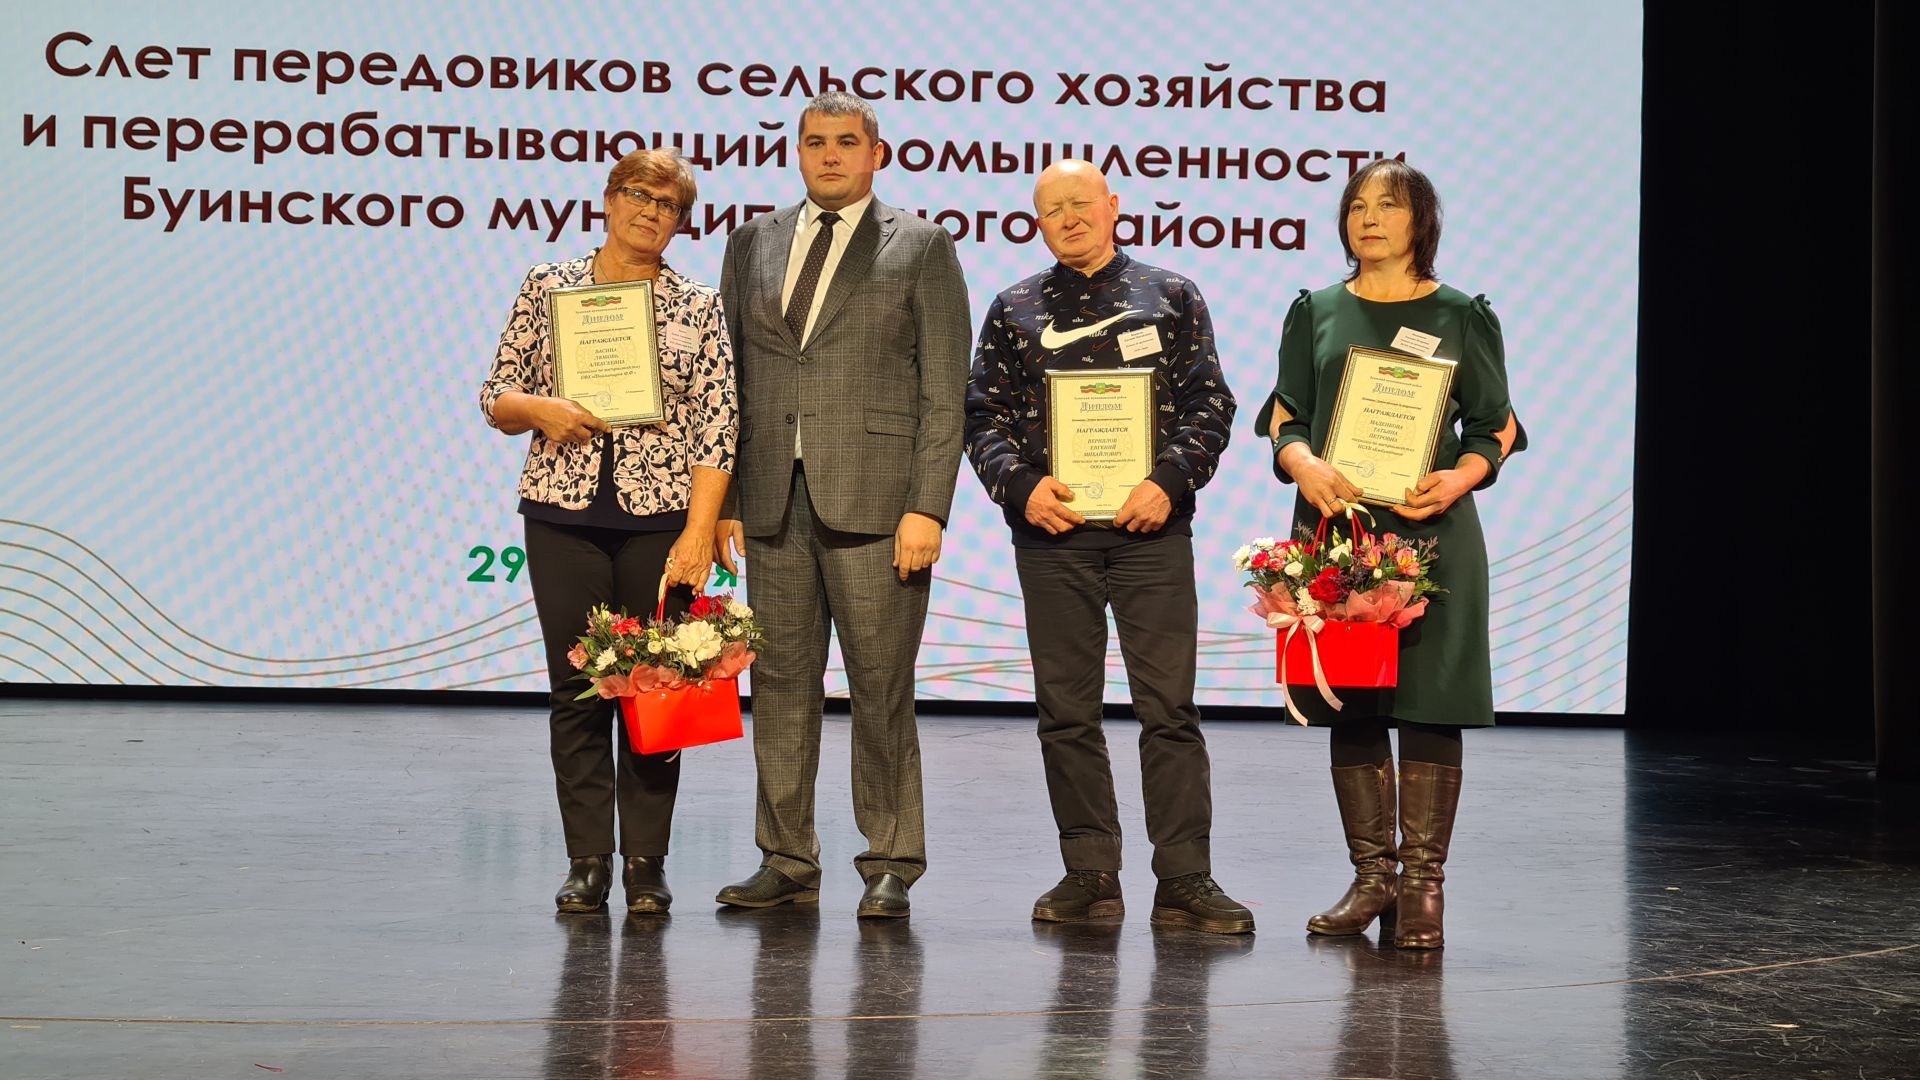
698 641
1378 574
654 645
1294 569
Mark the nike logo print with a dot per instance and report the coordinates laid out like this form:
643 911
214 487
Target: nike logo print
1051 339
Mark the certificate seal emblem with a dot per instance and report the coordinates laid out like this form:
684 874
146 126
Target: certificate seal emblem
1366 468
1096 490
604 399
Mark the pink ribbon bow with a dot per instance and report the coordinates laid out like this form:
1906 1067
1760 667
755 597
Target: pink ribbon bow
1293 624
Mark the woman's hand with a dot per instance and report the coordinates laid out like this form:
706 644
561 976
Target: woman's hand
690 563
1442 488
1324 487
565 420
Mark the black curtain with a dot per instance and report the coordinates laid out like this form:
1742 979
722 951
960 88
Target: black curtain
1896 400
1752 598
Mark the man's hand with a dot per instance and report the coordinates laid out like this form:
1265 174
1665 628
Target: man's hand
729 543
1146 509
1047 507
916 544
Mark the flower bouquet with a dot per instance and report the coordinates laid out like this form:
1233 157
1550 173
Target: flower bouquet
677 680
1351 596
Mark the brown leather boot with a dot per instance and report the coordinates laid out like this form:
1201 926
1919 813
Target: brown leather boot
1429 795
1365 794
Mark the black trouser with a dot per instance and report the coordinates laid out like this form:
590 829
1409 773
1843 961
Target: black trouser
574 568
1149 585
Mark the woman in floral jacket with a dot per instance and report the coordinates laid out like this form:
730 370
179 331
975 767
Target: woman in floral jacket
608 511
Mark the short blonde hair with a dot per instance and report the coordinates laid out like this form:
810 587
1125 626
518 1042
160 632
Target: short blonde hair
651 168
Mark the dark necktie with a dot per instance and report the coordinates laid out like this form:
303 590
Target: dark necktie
802 300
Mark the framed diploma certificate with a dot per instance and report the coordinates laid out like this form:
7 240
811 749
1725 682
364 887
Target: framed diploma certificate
1387 421
1101 426
605 353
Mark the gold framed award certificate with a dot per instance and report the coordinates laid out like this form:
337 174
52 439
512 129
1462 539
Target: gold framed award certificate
606 355
1387 421
1101 425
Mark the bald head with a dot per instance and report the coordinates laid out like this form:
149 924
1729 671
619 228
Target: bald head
1074 174
1077 214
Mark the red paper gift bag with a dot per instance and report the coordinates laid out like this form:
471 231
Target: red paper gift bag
692 715
1352 654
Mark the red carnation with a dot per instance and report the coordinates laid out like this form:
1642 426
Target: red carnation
628 625
706 606
1261 560
1327 587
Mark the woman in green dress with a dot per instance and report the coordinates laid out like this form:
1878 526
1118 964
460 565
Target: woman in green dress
1390 229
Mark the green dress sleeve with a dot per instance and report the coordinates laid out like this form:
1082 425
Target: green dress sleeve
1480 386
1294 388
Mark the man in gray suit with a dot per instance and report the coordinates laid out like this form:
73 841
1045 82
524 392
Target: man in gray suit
850 337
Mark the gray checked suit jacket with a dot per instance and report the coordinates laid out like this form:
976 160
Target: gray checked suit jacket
878 389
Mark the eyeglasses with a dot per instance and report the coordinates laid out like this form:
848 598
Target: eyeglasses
641 200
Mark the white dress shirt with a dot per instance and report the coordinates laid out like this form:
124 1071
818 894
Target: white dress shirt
804 232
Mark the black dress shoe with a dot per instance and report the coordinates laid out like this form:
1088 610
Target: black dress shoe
646 882
1195 902
589 879
885 898
767 888
1082 894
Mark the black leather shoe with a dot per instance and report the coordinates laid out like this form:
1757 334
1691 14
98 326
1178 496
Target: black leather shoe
589 879
1082 894
646 883
885 898
1195 902
767 888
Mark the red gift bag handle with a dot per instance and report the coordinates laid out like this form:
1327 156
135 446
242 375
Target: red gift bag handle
660 606
1360 534
660 615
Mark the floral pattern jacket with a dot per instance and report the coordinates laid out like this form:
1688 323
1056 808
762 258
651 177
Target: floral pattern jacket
653 466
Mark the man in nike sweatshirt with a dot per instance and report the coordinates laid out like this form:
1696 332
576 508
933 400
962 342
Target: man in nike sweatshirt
1095 310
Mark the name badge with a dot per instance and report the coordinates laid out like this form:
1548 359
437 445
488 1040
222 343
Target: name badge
1137 343
682 338
1409 340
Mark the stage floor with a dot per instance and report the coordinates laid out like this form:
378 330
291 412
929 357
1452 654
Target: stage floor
214 891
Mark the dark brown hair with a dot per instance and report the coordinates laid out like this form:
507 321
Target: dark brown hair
841 103
1410 187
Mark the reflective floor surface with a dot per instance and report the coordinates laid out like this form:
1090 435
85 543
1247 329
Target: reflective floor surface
246 891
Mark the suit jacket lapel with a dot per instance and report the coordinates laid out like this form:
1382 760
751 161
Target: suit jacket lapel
872 234
776 246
